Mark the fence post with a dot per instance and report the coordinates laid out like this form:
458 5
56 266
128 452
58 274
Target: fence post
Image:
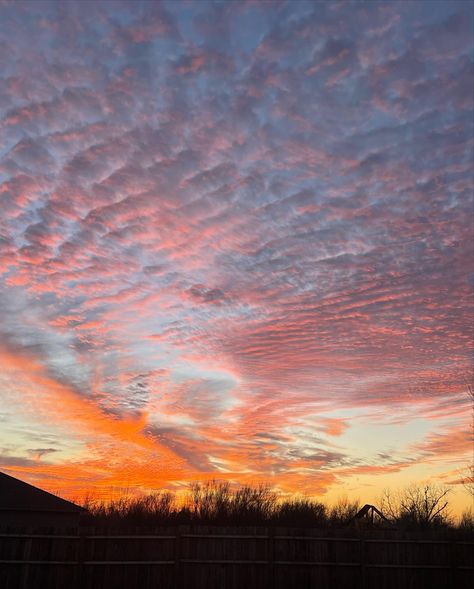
271 557
26 557
81 557
363 563
177 558
454 562
333 558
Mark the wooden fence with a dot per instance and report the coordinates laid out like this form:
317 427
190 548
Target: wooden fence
228 558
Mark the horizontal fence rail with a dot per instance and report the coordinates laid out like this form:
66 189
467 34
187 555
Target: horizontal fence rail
184 559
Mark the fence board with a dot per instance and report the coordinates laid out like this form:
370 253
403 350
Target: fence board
180 557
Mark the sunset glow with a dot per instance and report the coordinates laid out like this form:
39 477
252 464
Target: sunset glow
236 242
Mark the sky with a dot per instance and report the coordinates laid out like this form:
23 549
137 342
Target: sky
236 243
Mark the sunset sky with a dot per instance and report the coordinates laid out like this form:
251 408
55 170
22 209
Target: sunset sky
236 242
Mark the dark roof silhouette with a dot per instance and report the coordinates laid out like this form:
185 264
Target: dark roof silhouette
16 495
368 512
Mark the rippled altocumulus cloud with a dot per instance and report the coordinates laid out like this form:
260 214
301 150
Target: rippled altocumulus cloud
223 223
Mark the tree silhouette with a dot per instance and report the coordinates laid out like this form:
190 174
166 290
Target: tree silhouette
417 505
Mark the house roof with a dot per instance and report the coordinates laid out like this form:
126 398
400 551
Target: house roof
16 495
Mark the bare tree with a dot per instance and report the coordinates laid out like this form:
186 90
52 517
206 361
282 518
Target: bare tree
344 511
419 505
468 480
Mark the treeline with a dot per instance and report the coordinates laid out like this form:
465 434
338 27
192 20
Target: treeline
219 503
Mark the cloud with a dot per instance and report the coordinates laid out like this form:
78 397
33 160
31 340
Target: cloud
220 221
